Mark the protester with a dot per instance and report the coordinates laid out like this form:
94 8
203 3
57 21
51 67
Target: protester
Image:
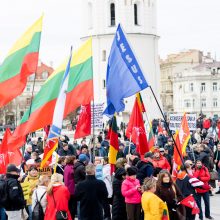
145 167
79 168
28 151
160 161
40 193
16 202
100 151
57 199
69 182
183 183
201 172
152 205
61 163
169 193
65 151
217 164
118 205
32 179
91 193
131 190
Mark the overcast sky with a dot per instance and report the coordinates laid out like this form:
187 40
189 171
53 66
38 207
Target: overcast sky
182 24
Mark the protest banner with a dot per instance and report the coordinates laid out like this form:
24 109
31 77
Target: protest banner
98 117
175 121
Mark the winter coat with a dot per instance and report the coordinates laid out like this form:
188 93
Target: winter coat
206 124
33 183
217 157
152 206
198 138
145 169
130 192
57 201
100 152
79 172
69 178
203 175
15 193
167 194
162 163
118 205
64 153
91 193
37 194
107 179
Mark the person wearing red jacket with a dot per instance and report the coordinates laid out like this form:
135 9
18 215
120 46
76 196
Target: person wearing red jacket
206 123
58 197
202 173
160 161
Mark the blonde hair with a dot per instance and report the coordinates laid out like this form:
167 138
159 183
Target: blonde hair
43 180
55 178
149 183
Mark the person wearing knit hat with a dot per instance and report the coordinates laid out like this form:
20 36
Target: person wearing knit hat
131 190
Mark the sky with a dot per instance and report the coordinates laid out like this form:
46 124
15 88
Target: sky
181 25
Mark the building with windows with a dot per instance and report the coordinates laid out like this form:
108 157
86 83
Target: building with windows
138 19
197 90
12 113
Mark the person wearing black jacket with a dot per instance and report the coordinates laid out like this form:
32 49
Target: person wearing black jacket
91 193
65 151
16 201
79 168
186 189
118 204
217 163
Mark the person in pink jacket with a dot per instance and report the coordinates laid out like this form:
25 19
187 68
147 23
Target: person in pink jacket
131 190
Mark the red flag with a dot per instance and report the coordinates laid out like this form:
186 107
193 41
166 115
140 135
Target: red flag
83 127
136 130
190 202
4 161
15 157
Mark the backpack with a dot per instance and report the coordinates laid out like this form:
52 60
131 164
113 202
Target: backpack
4 193
38 212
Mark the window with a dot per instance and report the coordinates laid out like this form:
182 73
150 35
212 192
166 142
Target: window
215 102
104 55
193 103
187 103
203 102
191 87
28 89
28 101
103 84
112 14
135 14
202 87
90 16
214 87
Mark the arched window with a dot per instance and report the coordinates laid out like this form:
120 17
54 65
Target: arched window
90 16
112 14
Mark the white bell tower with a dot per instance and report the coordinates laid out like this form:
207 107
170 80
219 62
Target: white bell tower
138 19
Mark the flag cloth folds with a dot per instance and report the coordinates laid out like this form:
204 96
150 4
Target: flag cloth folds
165 215
114 145
136 130
190 202
124 77
55 129
20 62
184 134
140 102
79 92
83 127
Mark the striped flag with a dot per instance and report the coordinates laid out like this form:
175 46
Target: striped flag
140 102
20 62
55 129
114 146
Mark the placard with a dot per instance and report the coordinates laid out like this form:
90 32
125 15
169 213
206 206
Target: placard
98 110
175 121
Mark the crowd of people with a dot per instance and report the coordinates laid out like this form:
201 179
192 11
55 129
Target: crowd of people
83 186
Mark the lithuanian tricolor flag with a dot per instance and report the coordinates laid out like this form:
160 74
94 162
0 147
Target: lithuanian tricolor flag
140 102
114 146
20 62
79 92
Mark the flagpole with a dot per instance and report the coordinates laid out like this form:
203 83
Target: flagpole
167 126
129 148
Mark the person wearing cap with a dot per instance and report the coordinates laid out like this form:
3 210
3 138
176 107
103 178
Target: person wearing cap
160 161
131 190
118 204
16 201
32 179
145 167
79 168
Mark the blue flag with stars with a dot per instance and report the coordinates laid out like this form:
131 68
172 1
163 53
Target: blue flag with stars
124 76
